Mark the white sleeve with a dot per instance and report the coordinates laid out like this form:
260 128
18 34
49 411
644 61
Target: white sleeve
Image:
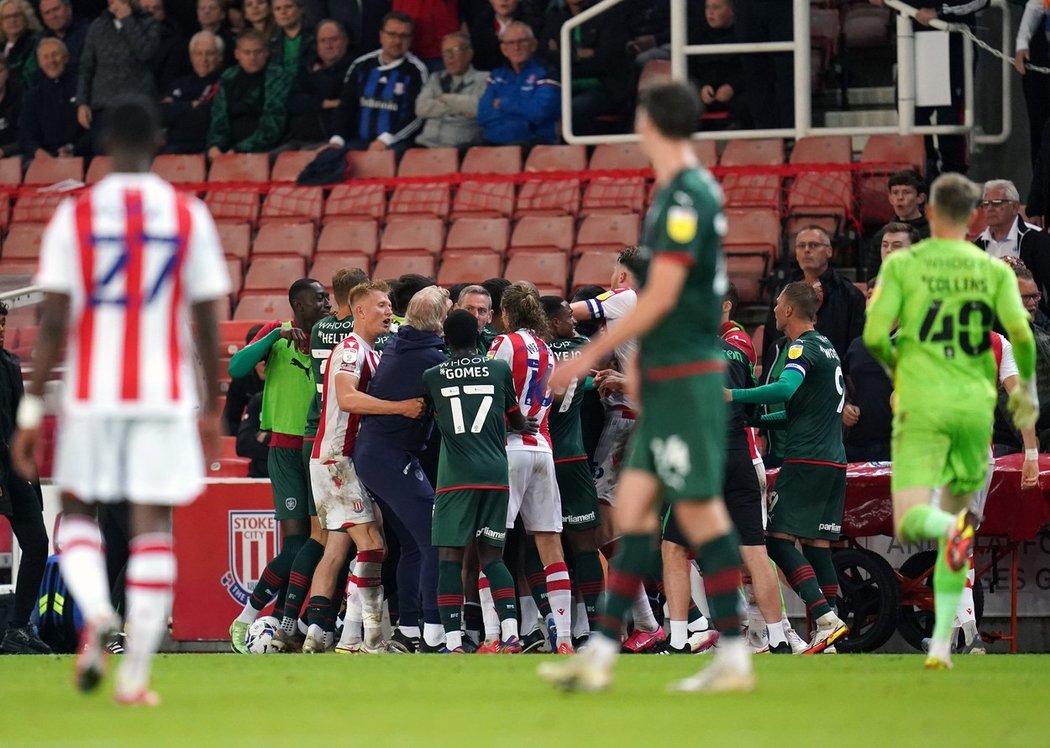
1033 14
58 252
1008 366
206 277
503 350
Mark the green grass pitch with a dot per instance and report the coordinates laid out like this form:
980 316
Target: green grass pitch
231 700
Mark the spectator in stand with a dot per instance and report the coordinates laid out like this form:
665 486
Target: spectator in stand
49 125
258 15
292 45
601 73
314 99
377 109
235 17
252 441
59 23
769 77
19 32
720 78
11 93
896 235
448 102
649 30
486 21
115 64
211 15
435 19
250 111
522 101
171 60
1031 296
907 197
347 12
186 106
1032 47
840 304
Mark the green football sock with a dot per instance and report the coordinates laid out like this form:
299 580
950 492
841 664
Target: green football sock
637 559
450 594
799 574
275 576
589 580
947 590
824 567
925 522
501 585
299 577
537 579
719 562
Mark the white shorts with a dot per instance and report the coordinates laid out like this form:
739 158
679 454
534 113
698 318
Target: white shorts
144 460
533 491
609 454
340 499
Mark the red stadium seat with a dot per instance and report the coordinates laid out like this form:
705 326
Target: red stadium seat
99 167
413 234
753 190
469 235
235 204
290 164
11 171
18 267
618 156
44 171
747 273
23 241
349 235
228 467
235 269
547 270
822 149
363 200
425 199
607 233
543 233
763 152
615 194
395 264
752 232
469 268
262 307
552 196
428 162
823 199
232 335
326 265
892 153
284 238
38 207
274 273
593 269
179 169
284 202
487 198
706 153
235 239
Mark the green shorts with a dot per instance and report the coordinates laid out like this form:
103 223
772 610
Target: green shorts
579 498
290 481
932 449
461 515
807 501
680 436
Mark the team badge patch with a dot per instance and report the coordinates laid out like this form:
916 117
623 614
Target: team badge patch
681 223
253 541
795 351
350 356
290 503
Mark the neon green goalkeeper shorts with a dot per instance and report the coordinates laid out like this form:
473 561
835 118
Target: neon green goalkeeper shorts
933 449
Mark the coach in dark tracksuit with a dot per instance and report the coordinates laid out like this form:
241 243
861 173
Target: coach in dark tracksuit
386 458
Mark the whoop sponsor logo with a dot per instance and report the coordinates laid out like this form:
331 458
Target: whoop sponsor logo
253 541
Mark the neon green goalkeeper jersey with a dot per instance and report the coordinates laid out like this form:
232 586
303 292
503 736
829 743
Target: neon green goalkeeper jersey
947 294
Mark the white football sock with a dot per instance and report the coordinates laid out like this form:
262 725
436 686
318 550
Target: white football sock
642 612
83 565
151 572
679 633
559 593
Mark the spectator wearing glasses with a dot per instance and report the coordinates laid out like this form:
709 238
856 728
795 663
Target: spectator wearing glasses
840 310
449 100
1009 235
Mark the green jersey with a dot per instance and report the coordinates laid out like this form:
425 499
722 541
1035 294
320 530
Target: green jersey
946 294
564 419
471 397
814 412
289 384
685 223
328 332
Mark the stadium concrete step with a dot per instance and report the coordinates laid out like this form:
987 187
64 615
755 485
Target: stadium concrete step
861 118
866 97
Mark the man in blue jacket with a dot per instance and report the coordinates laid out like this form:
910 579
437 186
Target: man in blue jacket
386 457
522 102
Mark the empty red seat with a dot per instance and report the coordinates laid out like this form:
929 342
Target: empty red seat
543 233
907 150
232 335
618 156
23 241
37 207
607 233
823 199
547 270
44 171
274 273
180 168
551 196
413 234
235 239
11 171
228 467
483 197
234 203
747 273
262 307
284 238
748 188
235 269
349 235
822 149
593 269
290 164
473 234
326 265
285 202
752 232
469 268
395 264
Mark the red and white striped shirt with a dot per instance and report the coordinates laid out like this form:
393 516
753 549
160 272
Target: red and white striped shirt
531 364
337 429
133 255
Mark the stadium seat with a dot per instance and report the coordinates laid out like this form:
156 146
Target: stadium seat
232 335
285 202
235 204
606 233
38 207
752 189
747 273
762 152
274 273
23 241
865 26
822 149
413 234
824 35
823 199
482 197
654 71
327 264
593 269
395 264
355 199
428 162
45 171
99 167
290 164
618 156
11 171
469 268
887 154
18 267
228 467
262 307
552 196
427 199
547 270
284 238
349 235
706 152
179 169
235 239
235 269
543 233
473 234
752 232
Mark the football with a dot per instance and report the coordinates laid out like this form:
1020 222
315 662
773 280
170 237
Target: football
261 636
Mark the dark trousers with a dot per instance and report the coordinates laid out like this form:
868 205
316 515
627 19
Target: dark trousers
770 82
25 512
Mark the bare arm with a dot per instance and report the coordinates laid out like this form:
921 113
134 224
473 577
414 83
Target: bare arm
353 400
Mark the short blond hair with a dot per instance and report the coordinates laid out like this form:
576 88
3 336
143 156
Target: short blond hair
427 309
361 290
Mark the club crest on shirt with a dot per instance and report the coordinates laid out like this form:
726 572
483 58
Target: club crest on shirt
681 223
795 351
350 356
253 541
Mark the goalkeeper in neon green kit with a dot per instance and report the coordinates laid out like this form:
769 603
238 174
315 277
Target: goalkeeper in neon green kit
946 294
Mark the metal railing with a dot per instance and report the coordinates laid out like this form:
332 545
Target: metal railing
799 46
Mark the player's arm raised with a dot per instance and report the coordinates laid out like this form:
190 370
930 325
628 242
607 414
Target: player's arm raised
353 400
882 313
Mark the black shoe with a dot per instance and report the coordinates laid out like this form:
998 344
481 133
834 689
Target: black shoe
401 644
533 643
23 640
423 648
469 644
667 649
781 649
579 641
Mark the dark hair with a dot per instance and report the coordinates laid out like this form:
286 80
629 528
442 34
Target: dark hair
300 286
552 305
396 15
907 178
252 332
132 125
732 295
455 290
899 227
673 107
631 258
588 327
344 280
1022 272
408 285
461 329
524 310
496 287
803 299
